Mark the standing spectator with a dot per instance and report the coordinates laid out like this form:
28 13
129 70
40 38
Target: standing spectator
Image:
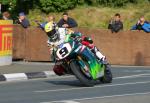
116 24
6 15
23 20
67 22
142 24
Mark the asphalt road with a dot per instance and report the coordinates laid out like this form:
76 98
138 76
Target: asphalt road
130 85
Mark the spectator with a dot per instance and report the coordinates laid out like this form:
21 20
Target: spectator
67 22
23 20
142 25
115 24
6 16
50 19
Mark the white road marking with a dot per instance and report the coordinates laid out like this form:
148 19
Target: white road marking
137 71
132 76
135 67
71 101
123 84
102 97
68 101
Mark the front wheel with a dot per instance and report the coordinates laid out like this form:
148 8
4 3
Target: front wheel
107 78
76 69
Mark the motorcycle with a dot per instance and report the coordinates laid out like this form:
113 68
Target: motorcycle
73 58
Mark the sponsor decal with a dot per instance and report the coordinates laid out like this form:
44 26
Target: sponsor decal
6 29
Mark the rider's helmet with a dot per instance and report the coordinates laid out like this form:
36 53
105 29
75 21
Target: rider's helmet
52 32
88 39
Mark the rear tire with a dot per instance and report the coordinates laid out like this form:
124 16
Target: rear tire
79 75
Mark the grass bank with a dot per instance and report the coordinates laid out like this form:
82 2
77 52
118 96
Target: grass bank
98 17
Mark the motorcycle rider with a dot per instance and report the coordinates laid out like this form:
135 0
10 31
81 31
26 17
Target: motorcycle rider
50 30
56 35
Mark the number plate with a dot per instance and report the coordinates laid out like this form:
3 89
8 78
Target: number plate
64 51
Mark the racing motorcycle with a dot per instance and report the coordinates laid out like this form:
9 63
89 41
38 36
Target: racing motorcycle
73 58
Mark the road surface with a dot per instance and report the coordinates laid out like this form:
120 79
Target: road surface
130 85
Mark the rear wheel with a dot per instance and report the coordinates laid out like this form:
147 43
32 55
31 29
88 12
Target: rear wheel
84 79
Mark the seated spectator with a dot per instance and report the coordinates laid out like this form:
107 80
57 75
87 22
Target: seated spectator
142 25
6 16
67 22
23 20
115 24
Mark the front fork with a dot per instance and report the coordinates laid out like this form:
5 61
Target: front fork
82 64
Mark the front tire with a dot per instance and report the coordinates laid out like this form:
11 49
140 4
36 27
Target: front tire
107 78
76 69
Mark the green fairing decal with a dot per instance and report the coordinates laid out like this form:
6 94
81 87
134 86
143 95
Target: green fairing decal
95 68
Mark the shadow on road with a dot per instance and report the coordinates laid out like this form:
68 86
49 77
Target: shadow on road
74 83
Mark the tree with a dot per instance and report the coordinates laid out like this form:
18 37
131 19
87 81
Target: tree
11 4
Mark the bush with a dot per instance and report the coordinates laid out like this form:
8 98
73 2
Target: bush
57 5
61 5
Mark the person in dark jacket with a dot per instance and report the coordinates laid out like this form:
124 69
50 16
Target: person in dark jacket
115 25
23 20
142 24
67 22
